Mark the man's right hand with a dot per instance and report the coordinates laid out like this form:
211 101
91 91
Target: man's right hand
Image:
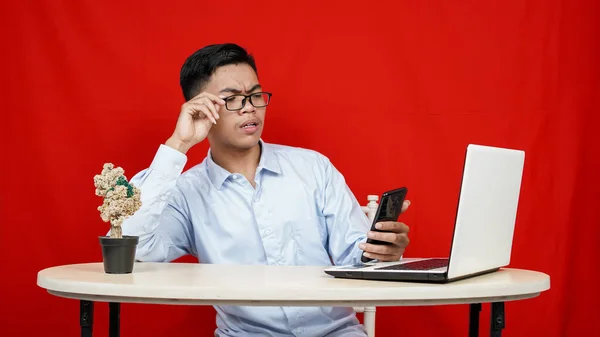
196 118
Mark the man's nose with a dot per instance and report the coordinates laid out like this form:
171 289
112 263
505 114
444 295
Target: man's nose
248 107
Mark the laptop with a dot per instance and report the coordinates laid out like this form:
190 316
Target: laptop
483 228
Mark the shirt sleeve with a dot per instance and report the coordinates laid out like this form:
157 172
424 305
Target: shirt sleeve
162 223
347 224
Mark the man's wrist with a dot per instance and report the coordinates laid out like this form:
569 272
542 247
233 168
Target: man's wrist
177 145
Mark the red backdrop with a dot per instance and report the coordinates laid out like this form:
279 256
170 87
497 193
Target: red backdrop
391 91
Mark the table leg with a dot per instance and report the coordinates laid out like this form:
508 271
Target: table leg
86 317
474 310
498 320
114 328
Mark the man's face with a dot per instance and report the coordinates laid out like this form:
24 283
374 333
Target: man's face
239 129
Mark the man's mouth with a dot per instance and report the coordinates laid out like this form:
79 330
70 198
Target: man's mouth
249 125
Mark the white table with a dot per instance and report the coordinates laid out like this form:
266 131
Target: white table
209 284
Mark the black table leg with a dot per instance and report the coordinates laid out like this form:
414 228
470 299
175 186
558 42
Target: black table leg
498 320
474 310
114 328
86 317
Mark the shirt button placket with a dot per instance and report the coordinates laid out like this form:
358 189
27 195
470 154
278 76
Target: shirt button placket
257 192
265 232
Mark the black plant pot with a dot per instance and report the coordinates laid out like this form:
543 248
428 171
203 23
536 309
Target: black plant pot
118 254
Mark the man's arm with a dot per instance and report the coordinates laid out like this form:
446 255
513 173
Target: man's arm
347 224
161 223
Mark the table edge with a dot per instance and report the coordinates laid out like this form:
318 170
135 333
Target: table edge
69 287
335 303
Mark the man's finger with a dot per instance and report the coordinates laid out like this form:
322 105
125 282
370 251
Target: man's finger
405 205
383 257
400 239
203 111
211 97
211 106
392 226
386 237
215 99
378 249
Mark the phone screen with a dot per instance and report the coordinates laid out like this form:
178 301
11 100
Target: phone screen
390 207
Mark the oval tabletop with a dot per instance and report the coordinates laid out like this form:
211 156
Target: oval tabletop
213 284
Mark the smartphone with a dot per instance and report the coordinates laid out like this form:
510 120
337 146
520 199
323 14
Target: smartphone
389 209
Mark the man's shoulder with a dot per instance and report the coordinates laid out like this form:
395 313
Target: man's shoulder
194 176
297 153
199 168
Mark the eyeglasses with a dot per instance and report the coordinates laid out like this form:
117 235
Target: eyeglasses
238 101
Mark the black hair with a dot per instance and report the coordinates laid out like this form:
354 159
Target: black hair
199 67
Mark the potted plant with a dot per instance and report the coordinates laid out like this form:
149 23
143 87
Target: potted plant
121 200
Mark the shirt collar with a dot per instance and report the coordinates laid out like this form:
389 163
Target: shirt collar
268 161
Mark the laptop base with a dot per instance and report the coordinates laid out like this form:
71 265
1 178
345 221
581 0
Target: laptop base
425 276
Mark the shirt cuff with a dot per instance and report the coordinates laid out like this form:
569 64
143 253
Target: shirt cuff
168 161
357 256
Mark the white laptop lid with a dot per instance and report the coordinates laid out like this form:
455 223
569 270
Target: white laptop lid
487 210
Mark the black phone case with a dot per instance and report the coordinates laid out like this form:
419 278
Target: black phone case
389 209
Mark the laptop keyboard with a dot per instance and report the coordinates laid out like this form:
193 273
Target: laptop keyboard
418 265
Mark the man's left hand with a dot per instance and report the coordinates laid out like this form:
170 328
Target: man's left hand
396 239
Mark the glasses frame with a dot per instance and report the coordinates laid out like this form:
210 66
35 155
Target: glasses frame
247 98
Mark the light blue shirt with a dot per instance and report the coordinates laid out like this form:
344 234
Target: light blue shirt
301 212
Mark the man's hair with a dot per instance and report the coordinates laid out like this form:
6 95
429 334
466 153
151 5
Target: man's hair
199 67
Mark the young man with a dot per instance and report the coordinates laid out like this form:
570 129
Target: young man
250 202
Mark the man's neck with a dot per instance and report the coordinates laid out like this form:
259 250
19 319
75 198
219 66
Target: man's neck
244 161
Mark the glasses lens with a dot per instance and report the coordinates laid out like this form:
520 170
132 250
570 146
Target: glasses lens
234 102
260 99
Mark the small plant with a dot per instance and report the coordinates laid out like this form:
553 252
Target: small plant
121 199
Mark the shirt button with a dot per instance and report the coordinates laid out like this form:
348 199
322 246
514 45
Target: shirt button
267 231
177 167
235 176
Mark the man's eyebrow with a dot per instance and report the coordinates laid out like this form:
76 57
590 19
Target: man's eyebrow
235 91
238 91
255 87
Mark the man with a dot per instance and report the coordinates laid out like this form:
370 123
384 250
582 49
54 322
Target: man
250 202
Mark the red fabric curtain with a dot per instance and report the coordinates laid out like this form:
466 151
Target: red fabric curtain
391 91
